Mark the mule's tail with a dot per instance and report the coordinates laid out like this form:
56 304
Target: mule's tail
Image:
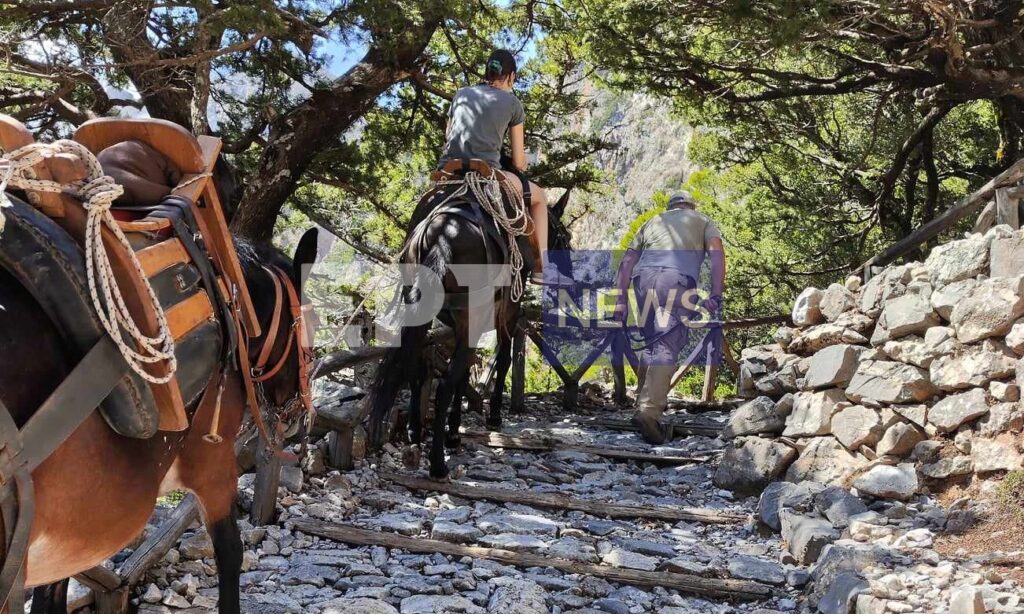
400 363
394 371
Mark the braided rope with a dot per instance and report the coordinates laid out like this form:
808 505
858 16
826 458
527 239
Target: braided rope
97 193
490 192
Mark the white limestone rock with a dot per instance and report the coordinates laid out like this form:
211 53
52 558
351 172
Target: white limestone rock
990 310
997 454
1002 418
958 260
878 382
888 482
974 365
944 299
807 308
890 283
857 426
833 366
899 440
812 412
1015 338
826 461
949 413
910 314
836 301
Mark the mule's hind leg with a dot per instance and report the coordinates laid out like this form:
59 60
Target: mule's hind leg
210 471
458 370
453 439
501 366
51 598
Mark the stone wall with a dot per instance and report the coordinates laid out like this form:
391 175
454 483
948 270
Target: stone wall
889 386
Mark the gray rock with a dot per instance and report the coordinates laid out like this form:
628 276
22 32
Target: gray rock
439 604
806 308
824 460
991 309
857 426
511 541
958 260
889 284
753 417
837 558
291 478
835 301
888 482
196 546
841 596
1004 391
949 413
778 496
998 454
915 414
524 524
944 299
614 606
967 600
910 314
1006 256
837 505
360 605
1015 338
806 536
975 365
619 557
405 524
516 595
315 575
879 381
648 547
455 533
1002 418
899 440
812 413
573 549
948 467
833 366
460 514
752 568
751 463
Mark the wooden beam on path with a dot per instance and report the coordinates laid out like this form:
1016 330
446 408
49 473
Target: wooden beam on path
99 579
161 541
560 501
332 363
544 444
679 427
695 585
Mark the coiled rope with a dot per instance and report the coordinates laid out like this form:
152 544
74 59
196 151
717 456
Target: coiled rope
97 193
489 192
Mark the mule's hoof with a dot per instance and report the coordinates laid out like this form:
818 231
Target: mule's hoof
438 473
411 457
453 442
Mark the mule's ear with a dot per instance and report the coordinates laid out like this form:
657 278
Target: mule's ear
559 207
305 254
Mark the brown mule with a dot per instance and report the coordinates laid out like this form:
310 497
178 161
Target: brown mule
95 493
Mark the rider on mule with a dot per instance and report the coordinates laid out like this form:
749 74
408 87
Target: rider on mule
479 118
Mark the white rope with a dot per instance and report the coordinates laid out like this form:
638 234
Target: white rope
489 191
97 192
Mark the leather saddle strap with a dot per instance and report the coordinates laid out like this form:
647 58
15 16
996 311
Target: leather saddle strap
60 415
298 334
250 390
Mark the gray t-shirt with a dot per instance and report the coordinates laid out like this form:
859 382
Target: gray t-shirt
477 122
676 239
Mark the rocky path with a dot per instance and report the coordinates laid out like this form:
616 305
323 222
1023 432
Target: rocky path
885 559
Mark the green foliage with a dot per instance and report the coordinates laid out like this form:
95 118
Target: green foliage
1010 493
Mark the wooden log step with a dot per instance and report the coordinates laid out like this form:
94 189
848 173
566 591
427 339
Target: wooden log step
680 428
561 501
157 545
548 444
695 585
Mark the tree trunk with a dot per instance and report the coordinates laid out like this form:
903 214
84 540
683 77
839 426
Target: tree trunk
318 123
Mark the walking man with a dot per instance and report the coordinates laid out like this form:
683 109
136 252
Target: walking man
663 263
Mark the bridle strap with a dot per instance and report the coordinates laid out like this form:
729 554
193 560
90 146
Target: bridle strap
296 336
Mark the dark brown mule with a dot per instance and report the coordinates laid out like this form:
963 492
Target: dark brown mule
450 240
96 492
